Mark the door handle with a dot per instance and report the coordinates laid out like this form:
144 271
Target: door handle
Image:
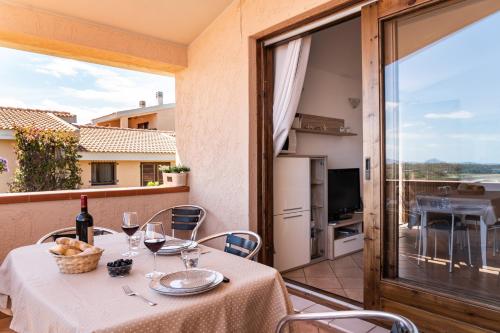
349 240
291 217
288 209
367 168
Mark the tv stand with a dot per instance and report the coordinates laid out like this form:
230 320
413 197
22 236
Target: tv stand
345 236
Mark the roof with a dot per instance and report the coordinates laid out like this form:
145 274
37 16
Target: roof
134 112
11 117
100 139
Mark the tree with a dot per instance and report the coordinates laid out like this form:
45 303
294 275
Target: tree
47 159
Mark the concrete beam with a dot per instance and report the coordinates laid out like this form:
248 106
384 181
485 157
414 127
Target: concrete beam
30 29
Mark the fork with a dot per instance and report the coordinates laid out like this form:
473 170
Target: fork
129 292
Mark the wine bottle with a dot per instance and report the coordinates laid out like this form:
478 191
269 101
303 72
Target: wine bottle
85 223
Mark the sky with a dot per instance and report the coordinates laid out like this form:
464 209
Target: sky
447 104
31 80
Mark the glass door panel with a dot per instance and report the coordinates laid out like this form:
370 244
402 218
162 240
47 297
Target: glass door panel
442 147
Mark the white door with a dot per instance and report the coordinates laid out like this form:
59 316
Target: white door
291 185
292 237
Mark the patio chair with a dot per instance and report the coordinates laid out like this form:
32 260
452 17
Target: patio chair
401 324
236 245
181 218
71 233
495 227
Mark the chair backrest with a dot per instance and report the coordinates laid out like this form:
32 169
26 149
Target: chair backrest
71 233
181 218
237 245
401 324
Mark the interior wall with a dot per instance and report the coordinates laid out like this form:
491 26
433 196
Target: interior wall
213 108
333 76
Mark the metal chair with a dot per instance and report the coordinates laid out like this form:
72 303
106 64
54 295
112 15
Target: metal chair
495 227
251 247
181 218
71 233
401 324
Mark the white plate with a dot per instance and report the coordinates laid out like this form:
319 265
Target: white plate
173 247
194 279
158 287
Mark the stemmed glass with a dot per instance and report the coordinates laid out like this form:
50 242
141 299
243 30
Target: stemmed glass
130 225
154 238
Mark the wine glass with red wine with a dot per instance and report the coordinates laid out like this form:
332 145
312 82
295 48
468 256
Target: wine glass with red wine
154 238
130 226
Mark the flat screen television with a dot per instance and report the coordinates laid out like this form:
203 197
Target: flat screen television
343 193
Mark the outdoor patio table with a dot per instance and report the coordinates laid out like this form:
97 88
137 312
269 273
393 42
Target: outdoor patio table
44 300
486 206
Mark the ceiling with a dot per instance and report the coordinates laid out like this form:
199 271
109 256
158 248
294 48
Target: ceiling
179 21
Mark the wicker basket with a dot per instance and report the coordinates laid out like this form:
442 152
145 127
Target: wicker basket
78 263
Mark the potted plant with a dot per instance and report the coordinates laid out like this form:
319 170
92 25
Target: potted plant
175 175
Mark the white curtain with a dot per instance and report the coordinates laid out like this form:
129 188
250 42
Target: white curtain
290 69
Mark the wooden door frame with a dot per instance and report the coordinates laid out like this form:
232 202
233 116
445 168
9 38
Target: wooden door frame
432 310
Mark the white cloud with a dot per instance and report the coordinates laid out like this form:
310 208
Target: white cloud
84 114
12 102
60 67
450 115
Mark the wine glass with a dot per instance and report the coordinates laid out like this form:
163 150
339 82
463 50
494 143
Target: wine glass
154 238
130 225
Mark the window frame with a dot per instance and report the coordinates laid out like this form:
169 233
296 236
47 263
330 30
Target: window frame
157 173
93 166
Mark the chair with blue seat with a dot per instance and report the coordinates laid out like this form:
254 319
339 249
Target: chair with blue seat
183 218
240 246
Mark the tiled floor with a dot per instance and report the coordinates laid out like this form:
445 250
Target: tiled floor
343 276
331 326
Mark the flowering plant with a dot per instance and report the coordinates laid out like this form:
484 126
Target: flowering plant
3 165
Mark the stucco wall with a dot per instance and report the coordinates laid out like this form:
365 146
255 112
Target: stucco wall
7 152
24 223
212 110
128 174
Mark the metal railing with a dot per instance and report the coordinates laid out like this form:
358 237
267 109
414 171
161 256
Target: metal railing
402 324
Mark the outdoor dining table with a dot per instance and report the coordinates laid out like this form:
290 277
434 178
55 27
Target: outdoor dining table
486 206
44 300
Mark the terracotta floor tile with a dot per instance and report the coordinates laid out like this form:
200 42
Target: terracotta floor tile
299 279
355 294
321 269
326 283
351 283
339 292
378 329
304 327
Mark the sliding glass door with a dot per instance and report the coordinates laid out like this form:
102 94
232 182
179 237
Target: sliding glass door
441 74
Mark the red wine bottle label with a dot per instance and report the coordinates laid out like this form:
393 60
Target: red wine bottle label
90 235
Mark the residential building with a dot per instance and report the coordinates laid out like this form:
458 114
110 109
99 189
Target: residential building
156 117
428 112
111 157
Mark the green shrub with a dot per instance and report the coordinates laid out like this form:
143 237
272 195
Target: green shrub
153 184
48 161
174 169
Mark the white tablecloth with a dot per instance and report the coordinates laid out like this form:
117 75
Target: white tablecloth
44 300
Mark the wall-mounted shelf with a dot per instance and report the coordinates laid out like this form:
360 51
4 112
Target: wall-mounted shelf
307 123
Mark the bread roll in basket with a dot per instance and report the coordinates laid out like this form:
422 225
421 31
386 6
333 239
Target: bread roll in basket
73 256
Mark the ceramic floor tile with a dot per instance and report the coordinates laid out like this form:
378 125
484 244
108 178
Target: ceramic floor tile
358 259
378 329
326 283
321 269
304 327
352 325
344 262
300 304
351 283
348 272
339 292
295 273
299 279
355 294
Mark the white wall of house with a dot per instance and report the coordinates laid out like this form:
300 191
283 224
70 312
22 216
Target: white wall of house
333 76
212 110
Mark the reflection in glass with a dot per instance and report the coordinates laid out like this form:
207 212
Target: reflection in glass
442 146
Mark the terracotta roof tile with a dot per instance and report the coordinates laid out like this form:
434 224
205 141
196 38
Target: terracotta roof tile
124 140
42 119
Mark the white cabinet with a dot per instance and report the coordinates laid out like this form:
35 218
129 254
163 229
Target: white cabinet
291 185
292 234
